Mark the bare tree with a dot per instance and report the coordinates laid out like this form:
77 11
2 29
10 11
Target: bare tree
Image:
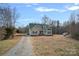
72 26
58 27
45 19
8 18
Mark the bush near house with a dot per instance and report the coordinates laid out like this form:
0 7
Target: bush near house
6 33
76 36
9 32
2 33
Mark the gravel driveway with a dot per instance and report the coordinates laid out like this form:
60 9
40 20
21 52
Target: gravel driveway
23 48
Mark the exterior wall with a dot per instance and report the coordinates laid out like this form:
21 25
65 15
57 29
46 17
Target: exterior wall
47 32
32 32
37 30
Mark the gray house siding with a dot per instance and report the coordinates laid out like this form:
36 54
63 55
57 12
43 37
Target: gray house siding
33 32
35 29
40 29
47 32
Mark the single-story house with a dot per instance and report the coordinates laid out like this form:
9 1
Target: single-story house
39 29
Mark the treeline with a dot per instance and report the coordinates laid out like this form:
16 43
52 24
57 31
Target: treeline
55 24
72 25
9 15
7 21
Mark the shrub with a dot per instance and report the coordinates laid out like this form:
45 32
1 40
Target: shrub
2 33
76 36
9 32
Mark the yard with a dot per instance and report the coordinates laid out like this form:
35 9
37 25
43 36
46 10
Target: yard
55 45
5 45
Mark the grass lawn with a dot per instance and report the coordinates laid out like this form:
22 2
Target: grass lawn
5 45
55 45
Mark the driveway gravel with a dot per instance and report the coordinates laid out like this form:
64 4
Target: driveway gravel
23 48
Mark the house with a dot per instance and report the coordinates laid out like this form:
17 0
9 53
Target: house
39 29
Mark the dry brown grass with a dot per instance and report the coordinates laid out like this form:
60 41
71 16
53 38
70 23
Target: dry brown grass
54 45
5 45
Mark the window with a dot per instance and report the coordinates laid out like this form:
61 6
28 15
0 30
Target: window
49 29
34 32
49 32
